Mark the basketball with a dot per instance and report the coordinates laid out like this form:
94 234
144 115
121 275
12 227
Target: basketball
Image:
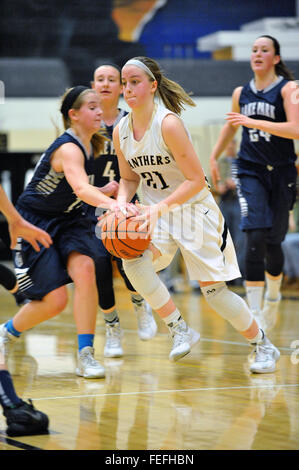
121 238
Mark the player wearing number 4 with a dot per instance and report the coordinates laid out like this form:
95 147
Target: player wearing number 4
267 108
108 86
153 146
53 202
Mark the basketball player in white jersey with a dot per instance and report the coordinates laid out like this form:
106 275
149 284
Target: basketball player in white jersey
154 147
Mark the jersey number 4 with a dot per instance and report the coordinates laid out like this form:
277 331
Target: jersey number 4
154 179
109 172
254 135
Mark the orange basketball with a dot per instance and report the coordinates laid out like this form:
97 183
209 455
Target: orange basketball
120 237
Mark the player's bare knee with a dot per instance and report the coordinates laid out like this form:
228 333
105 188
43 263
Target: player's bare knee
84 271
57 300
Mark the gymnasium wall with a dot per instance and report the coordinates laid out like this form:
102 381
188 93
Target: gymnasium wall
47 46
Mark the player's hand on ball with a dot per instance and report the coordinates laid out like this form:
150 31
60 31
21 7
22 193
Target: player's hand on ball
120 210
148 217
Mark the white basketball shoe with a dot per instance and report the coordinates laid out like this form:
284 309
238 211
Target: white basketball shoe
184 338
147 326
6 341
113 346
264 357
88 367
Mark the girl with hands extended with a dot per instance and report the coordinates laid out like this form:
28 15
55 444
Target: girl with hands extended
53 201
154 147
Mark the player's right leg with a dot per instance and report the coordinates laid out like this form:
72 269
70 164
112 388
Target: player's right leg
85 304
143 276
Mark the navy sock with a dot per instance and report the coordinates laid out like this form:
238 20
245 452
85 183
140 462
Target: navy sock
8 396
85 340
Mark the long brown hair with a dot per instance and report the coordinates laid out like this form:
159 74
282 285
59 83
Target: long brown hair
172 94
280 68
98 138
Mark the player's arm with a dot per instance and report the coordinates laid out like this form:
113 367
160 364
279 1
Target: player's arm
227 133
288 129
129 180
19 227
177 140
69 159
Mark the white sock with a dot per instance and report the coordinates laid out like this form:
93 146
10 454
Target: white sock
273 288
173 317
258 338
254 296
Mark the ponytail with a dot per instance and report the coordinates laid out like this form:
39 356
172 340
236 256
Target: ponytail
174 97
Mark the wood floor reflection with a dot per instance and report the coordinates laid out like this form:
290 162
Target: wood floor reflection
207 401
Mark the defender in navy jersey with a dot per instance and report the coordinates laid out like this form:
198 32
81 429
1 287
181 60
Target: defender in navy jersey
53 202
108 86
266 178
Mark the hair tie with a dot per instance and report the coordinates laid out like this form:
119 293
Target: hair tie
141 65
70 99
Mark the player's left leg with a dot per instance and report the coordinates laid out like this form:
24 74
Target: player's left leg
235 310
82 271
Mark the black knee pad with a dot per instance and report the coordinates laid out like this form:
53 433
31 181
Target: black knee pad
274 259
255 255
123 275
7 277
104 277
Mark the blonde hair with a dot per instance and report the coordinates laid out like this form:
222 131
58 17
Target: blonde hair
171 93
98 138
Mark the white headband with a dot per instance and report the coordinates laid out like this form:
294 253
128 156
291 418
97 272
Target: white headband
141 65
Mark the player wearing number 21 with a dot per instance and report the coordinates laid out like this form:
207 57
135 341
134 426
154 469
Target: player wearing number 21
154 147
267 108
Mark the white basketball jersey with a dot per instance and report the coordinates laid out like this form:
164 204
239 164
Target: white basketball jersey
152 159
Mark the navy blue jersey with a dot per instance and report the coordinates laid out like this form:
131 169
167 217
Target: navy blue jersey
106 165
258 146
48 192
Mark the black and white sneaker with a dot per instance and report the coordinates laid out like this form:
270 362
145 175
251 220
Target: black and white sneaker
25 420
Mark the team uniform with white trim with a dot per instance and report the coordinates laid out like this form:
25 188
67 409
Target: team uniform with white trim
266 173
50 203
196 227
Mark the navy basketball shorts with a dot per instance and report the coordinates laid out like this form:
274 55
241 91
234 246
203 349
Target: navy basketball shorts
39 273
266 195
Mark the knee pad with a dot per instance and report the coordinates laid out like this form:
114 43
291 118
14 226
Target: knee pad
145 280
255 255
104 280
7 277
121 270
228 305
274 259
